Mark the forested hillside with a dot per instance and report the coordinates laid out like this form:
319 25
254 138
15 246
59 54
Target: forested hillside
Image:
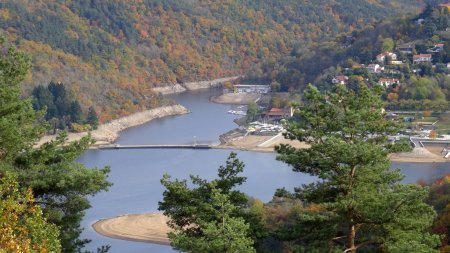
111 53
409 56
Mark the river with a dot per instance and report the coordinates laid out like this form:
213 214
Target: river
136 173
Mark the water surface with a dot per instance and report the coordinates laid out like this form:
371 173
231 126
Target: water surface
136 173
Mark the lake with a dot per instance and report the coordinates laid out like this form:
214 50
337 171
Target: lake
136 173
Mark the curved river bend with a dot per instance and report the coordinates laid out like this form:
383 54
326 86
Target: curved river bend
136 173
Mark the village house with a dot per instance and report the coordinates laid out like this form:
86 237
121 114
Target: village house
249 88
374 68
386 82
340 79
276 114
436 49
418 58
381 58
406 48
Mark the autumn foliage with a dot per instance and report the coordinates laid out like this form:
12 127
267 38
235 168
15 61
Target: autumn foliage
112 53
22 225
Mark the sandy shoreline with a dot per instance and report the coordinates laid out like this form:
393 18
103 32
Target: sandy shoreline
236 98
181 87
109 132
152 227
149 227
258 143
236 140
418 155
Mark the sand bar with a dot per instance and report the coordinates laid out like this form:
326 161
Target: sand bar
259 143
419 155
236 98
149 227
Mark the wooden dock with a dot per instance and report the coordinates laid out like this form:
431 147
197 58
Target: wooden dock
156 146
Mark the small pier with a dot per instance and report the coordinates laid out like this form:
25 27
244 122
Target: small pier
156 146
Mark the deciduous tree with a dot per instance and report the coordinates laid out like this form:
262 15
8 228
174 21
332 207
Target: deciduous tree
23 227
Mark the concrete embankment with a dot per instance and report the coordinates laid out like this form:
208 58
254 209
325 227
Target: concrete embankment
178 87
109 132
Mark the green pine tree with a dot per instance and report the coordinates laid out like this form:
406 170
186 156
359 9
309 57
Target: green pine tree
211 216
60 184
92 118
364 207
223 234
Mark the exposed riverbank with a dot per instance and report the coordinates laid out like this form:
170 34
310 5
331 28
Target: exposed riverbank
238 139
109 132
235 139
181 87
419 155
236 98
149 227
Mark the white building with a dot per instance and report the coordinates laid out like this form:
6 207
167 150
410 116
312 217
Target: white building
381 58
249 88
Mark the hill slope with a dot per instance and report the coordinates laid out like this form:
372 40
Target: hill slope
111 53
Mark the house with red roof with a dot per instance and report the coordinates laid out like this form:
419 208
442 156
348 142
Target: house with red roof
340 79
419 58
276 114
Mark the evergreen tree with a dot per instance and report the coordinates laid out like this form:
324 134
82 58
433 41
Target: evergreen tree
92 118
61 108
211 216
75 112
252 111
17 116
60 184
224 234
362 204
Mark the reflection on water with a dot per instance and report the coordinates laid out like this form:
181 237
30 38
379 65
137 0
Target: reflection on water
136 173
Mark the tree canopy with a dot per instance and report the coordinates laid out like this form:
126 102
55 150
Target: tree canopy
59 183
362 204
211 216
23 227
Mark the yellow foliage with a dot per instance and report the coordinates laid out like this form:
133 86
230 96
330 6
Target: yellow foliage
78 128
314 208
426 113
22 226
433 134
